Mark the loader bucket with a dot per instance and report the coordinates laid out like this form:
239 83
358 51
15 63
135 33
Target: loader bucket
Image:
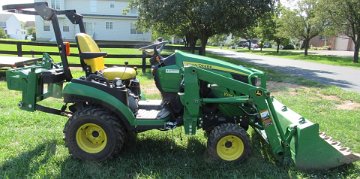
309 148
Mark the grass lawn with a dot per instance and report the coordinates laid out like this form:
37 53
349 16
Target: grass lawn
74 50
31 144
299 55
76 60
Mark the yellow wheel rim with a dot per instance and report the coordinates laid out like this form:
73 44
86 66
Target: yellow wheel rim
91 138
230 148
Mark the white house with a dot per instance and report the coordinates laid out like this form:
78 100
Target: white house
14 25
104 20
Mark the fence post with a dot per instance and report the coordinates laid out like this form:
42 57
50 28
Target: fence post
143 62
19 49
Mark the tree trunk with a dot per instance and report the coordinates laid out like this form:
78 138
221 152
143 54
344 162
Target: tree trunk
306 46
249 45
185 42
192 44
356 52
204 41
278 48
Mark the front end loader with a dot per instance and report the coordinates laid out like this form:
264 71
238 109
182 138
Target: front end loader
105 106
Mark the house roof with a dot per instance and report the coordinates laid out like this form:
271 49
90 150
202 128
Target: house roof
5 16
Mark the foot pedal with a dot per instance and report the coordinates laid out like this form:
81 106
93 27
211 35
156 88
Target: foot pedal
165 112
170 125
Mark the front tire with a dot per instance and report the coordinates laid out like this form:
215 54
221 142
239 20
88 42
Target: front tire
229 142
93 133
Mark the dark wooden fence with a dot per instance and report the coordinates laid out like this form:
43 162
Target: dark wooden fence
20 52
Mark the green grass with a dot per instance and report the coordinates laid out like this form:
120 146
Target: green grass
31 144
299 55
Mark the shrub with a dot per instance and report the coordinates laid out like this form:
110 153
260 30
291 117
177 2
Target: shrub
2 33
289 47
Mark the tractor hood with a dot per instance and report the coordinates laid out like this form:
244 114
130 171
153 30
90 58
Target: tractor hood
187 59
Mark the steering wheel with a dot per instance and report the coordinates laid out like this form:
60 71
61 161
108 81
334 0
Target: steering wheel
154 51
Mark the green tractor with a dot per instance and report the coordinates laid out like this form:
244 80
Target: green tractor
105 106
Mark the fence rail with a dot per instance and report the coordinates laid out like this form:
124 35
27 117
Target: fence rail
20 52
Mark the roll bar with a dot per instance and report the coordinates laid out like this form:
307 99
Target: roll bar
43 10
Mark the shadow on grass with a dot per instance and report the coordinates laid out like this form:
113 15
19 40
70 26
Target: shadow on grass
28 163
2 75
159 157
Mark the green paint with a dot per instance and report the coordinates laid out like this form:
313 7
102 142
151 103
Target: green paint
28 81
90 92
289 135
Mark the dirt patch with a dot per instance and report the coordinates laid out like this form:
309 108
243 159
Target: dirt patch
343 105
348 105
331 98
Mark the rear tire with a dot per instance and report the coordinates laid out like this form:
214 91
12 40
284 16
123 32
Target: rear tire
229 142
93 133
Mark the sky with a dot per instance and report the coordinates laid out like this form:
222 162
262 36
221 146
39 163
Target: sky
289 3
26 17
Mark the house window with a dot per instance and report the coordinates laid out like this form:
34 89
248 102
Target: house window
55 4
133 29
109 25
65 28
112 4
46 26
2 24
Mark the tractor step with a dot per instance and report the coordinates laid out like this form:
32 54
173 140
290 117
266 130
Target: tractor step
153 114
150 104
147 114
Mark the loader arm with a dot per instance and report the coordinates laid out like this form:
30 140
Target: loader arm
258 96
290 135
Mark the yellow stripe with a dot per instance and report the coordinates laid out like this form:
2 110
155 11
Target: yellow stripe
211 67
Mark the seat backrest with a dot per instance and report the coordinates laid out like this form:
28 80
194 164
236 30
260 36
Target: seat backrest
86 44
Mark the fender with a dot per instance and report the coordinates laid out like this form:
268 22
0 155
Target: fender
81 90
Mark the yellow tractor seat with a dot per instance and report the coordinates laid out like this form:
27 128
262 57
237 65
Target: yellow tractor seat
124 73
92 60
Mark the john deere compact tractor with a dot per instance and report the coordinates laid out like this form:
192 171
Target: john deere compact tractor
105 106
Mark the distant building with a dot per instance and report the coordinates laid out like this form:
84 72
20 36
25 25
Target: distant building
103 19
339 42
14 26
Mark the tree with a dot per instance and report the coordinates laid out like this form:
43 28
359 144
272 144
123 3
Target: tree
344 18
303 22
266 29
249 34
2 33
218 39
276 33
31 31
200 18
